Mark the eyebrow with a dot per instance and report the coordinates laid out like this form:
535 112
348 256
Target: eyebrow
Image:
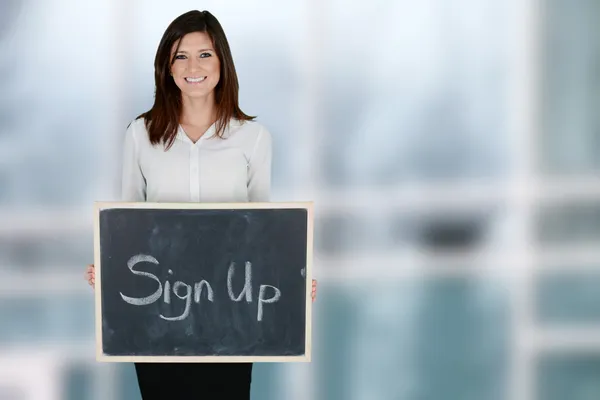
199 51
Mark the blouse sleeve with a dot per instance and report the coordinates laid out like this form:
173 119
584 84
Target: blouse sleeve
259 168
133 183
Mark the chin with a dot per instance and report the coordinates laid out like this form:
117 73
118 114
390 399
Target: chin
196 94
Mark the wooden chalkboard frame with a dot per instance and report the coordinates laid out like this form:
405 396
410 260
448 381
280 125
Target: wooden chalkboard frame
101 357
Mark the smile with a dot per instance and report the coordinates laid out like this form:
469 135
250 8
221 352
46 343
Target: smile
195 79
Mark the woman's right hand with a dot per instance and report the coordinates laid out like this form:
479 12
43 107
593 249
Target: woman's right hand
90 275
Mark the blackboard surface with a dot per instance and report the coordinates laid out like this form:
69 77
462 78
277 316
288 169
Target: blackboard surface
203 282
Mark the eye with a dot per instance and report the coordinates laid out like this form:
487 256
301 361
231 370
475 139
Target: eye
180 57
205 54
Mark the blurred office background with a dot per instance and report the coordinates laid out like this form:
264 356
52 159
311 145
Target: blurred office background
452 149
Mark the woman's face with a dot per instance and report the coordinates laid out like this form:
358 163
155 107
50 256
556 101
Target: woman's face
196 66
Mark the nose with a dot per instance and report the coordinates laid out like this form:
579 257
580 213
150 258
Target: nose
193 64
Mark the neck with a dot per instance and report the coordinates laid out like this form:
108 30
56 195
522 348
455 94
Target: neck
199 112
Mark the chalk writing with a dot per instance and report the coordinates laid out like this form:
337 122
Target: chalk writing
261 299
185 292
154 296
247 285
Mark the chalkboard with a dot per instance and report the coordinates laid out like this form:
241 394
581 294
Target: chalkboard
203 282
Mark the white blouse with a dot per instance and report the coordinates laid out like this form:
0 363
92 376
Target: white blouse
234 169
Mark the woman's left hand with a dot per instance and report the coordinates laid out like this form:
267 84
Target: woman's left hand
314 290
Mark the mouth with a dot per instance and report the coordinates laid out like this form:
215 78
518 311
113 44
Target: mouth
195 79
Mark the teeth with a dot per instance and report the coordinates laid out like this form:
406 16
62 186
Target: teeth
195 80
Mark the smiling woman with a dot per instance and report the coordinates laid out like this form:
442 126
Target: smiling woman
195 145
194 70
195 67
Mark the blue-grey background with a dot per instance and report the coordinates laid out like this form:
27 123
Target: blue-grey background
452 149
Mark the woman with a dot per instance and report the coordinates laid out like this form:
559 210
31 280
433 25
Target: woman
195 145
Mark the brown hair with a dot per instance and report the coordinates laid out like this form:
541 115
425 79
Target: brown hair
162 120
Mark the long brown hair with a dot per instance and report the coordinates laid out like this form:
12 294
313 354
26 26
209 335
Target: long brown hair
162 120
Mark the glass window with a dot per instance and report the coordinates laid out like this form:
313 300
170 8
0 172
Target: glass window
568 376
417 93
59 319
78 381
568 298
570 90
573 223
436 338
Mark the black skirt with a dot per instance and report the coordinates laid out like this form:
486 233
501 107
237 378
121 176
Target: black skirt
194 381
